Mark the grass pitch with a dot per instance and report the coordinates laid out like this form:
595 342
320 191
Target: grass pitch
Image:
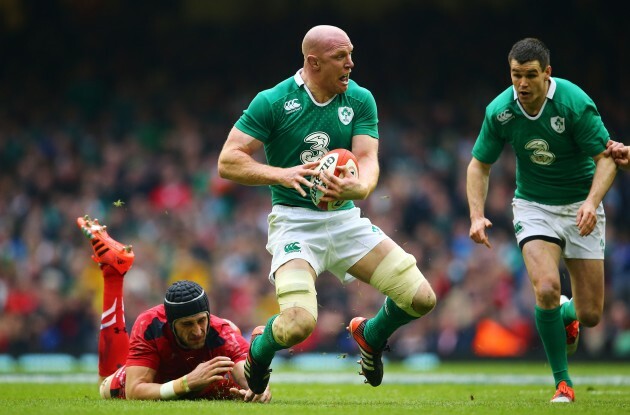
433 393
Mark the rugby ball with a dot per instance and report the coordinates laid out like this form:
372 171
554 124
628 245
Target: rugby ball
329 163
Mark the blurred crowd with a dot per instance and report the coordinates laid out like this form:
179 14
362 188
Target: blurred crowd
128 130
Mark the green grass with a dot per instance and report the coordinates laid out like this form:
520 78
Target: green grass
349 399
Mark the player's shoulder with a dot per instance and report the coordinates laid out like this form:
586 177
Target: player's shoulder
501 108
357 91
152 313
149 325
566 86
569 95
221 325
280 90
504 99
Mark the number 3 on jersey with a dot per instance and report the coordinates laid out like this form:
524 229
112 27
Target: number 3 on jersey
541 155
319 142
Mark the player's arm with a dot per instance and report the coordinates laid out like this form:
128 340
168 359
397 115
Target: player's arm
236 162
605 171
140 384
141 380
238 373
477 179
365 149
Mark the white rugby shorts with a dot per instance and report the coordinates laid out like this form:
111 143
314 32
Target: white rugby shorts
328 240
558 224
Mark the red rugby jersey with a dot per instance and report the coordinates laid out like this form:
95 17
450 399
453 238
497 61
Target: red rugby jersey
152 344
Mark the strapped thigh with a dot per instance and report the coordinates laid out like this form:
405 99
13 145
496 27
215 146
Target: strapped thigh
296 288
398 277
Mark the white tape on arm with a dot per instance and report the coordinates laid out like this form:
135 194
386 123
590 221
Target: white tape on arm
167 391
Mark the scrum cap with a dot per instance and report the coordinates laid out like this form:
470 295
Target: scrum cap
184 299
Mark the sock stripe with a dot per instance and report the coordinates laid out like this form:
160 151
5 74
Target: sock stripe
109 311
108 323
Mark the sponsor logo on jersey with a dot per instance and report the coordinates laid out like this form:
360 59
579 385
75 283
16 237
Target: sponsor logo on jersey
541 154
345 115
292 247
557 123
505 116
318 143
292 105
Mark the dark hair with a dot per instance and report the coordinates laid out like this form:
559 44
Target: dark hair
184 299
528 50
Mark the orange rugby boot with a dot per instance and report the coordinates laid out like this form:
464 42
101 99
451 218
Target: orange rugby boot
106 250
564 393
371 359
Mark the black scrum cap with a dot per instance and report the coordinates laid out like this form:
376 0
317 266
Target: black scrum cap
184 299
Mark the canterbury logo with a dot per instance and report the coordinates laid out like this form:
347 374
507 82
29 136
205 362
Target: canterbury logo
505 116
292 105
292 247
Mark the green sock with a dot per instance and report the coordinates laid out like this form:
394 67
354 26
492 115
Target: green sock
389 318
568 312
551 330
265 346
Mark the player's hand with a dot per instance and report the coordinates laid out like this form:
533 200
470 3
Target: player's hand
618 151
209 372
348 187
249 396
478 233
294 177
586 218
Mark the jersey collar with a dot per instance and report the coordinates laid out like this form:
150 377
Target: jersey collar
552 88
298 78
300 82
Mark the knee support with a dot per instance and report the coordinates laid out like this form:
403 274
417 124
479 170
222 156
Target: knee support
398 278
296 288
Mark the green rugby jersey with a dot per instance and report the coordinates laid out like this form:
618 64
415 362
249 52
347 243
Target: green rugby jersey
295 129
554 149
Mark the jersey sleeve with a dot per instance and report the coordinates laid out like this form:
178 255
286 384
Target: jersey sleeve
590 132
257 119
489 144
142 352
367 118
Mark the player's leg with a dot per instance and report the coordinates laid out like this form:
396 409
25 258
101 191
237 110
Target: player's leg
584 257
114 260
571 323
587 305
542 259
409 296
295 291
113 386
544 234
394 273
587 282
113 344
